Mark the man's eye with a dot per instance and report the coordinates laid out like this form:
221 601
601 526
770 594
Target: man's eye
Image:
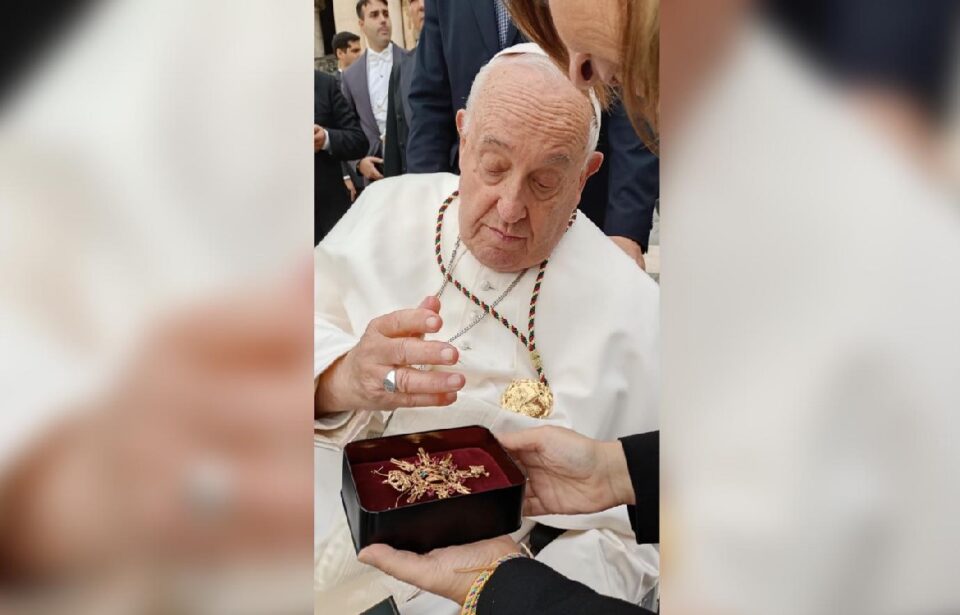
545 185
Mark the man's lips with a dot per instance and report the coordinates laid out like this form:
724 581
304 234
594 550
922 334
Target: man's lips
504 236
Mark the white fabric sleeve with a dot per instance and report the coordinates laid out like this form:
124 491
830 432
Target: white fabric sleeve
333 336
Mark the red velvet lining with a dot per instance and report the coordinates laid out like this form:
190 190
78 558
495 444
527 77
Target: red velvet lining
376 496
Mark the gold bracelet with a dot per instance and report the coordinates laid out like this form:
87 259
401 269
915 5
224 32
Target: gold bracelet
473 596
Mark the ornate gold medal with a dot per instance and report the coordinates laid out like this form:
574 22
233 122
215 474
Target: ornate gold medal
524 396
529 397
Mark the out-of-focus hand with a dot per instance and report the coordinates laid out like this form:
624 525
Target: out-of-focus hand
351 189
196 455
569 473
319 138
367 168
437 571
631 247
393 341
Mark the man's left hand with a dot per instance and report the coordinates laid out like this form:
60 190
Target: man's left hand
632 248
436 572
319 138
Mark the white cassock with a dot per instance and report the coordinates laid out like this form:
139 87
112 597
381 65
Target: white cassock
812 379
597 325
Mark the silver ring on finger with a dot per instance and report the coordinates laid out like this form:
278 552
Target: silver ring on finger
390 381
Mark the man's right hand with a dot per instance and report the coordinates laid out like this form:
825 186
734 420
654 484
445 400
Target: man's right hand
569 473
368 169
350 188
393 341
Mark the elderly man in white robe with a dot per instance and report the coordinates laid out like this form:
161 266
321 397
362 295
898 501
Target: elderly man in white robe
444 301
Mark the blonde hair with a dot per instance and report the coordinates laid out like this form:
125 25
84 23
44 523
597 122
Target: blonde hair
639 52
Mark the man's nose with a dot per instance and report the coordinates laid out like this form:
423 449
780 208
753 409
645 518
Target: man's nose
510 207
583 74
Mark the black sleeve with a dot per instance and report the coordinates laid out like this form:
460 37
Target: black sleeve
634 181
643 461
392 163
526 586
347 141
432 126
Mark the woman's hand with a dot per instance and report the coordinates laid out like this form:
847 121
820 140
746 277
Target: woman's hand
437 571
569 473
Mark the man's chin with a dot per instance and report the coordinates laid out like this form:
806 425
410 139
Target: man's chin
501 261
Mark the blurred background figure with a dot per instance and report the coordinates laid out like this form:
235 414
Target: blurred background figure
337 138
458 38
810 300
398 103
346 46
154 346
895 60
366 84
416 17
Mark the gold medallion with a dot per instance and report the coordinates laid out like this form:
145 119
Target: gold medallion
529 397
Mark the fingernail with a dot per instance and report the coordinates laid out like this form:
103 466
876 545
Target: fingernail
433 322
455 380
447 354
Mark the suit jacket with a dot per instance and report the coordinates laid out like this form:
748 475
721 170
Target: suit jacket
458 38
349 169
354 84
331 111
524 586
527 586
398 117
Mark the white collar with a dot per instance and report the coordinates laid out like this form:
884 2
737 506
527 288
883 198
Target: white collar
384 55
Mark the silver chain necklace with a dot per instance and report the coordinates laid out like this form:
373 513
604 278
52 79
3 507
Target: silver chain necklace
450 267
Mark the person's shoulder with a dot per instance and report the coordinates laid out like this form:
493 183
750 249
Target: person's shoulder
602 268
413 190
356 68
393 206
323 79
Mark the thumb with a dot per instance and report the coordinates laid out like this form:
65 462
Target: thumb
375 159
403 565
431 302
525 440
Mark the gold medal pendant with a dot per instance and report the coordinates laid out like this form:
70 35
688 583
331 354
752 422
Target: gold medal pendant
528 397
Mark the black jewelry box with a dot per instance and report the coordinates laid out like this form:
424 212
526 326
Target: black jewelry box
377 513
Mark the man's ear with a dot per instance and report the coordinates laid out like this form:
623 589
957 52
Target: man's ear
461 122
594 160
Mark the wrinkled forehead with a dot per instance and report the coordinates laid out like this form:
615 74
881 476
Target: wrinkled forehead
519 102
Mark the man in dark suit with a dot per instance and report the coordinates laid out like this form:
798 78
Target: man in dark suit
366 83
346 45
336 137
458 38
398 103
398 117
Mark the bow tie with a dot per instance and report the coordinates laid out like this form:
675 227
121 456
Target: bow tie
374 59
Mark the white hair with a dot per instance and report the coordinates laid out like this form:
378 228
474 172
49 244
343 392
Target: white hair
531 55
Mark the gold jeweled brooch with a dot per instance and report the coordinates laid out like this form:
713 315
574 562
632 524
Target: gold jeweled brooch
429 476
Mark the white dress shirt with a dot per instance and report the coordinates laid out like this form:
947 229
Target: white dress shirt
379 66
597 331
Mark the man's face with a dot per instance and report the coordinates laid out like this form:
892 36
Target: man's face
346 57
416 16
376 24
523 164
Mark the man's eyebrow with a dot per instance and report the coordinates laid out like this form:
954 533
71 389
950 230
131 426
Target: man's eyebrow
489 140
558 159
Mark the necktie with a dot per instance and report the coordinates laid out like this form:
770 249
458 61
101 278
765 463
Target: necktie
503 22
